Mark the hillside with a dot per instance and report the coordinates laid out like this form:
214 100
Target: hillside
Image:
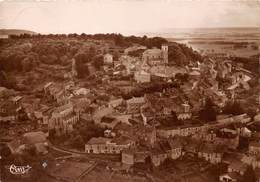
40 53
15 32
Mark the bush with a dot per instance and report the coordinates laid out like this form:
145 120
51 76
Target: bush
77 142
90 130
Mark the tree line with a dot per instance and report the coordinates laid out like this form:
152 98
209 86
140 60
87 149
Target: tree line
119 39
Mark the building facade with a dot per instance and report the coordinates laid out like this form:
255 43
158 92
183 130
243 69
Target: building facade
156 56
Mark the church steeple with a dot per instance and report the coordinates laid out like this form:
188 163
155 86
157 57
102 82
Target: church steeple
164 49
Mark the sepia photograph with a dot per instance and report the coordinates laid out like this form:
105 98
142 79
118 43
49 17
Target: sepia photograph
129 90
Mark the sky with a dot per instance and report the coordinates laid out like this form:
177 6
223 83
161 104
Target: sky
126 16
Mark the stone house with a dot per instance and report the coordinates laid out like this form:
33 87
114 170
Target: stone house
142 77
160 151
176 146
185 130
166 149
210 153
108 146
134 104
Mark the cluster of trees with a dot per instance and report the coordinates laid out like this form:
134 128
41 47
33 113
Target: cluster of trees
81 66
7 80
86 57
51 52
80 136
89 130
15 60
243 143
182 77
136 53
208 113
171 121
233 108
26 56
149 88
250 64
143 89
76 141
180 55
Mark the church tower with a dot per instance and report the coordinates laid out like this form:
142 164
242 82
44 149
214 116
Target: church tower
73 68
164 49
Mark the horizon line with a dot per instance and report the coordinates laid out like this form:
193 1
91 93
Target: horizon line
163 30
